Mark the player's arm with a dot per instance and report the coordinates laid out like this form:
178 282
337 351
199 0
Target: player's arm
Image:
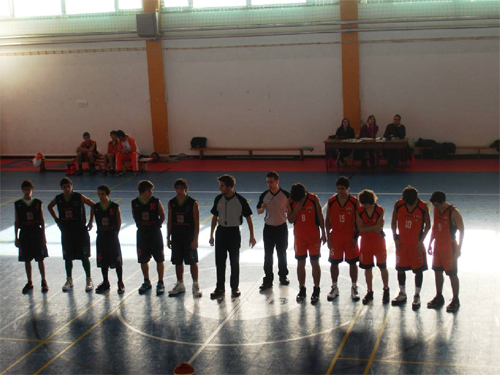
458 222
169 225
52 212
295 212
118 219
328 227
93 147
161 212
394 227
213 224
16 229
261 206
196 225
89 203
427 225
42 223
250 228
321 220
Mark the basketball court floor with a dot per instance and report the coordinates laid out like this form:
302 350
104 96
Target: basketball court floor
259 333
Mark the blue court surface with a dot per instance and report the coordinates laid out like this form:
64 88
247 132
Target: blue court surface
258 333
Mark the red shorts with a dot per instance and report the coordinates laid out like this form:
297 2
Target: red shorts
410 256
371 248
342 250
444 257
302 245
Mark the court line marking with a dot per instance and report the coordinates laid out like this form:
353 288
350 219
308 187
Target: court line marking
377 343
46 340
343 342
9 201
28 340
206 219
419 363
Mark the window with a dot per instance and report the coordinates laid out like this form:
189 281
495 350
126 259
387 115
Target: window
272 2
218 3
130 4
5 8
33 8
176 3
89 6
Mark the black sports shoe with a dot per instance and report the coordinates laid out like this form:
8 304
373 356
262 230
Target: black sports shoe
454 305
160 288
367 298
386 298
102 287
416 302
45 287
145 287
121 287
217 293
315 295
436 303
284 281
235 293
302 294
265 285
27 288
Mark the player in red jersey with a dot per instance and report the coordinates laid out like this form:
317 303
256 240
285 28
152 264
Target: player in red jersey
343 234
410 224
307 219
370 221
447 220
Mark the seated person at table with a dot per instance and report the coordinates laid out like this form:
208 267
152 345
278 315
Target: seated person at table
368 130
396 130
343 132
87 151
114 147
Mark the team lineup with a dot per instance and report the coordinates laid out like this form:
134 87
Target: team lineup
348 220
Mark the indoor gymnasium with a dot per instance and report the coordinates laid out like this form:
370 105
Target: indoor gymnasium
249 187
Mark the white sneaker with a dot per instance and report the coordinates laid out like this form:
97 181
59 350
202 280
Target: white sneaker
196 290
178 288
89 285
68 284
354 293
400 299
334 293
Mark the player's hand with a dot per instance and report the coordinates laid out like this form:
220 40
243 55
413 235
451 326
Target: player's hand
397 243
211 241
458 252
354 242
169 244
89 226
429 250
264 206
17 242
330 244
194 244
252 242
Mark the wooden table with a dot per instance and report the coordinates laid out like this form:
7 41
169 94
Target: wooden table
365 144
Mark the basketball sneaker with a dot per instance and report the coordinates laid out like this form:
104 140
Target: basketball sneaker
45 286
354 293
235 293
196 290
334 293
146 285
454 305
102 287
400 299
436 303
121 287
27 287
160 288
416 302
302 294
89 285
368 297
284 281
178 288
386 297
315 295
217 293
68 284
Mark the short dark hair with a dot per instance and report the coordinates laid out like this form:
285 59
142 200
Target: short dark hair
367 197
343 181
66 181
227 179
105 188
438 197
274 175
399 116
27 183
86 134
410 194
145 185
181 182
113 132
297 192
120 133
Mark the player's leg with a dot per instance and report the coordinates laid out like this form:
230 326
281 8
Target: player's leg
316 272
104 286
119 275
29 284
438 300
301 277
269 243
234 260
220 262
119 163
80 158
281 240
86 266
455 286
385 280
353 273
369 285
334 273
91 158
401 297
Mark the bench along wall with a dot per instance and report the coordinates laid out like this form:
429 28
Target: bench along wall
261 91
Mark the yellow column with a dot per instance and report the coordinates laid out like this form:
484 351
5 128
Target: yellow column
156 76
350 64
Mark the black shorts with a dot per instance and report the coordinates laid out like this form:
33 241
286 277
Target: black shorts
150 244
181 251
75 240
32 244
109 252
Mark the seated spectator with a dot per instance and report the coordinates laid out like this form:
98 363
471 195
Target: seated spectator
396 130
368 130
114 147
129 152
345 131
87 151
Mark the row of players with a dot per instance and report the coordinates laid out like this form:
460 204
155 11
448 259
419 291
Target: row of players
347 218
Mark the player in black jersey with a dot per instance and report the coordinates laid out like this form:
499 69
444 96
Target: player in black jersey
149 216
72 221
109 254
31 240
182 236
